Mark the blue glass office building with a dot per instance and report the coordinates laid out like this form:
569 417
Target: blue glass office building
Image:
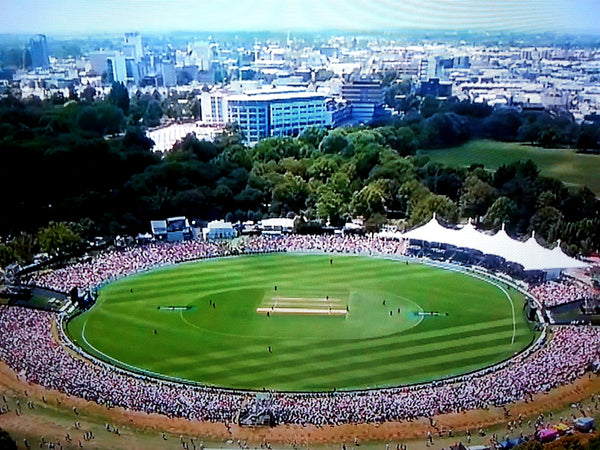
263 115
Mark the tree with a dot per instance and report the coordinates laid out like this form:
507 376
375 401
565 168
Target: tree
393 167
589 137
313 136
330 204
429 106
276 148
547 198
101 118
196 109
594 443
88 94
446 130
201 149
364 138
396 92
23 247
530 445
119 96
137 138
579 204
529 131
405 141
546 222
366 158
335 143
7 442
159 201
502 124
7 255
566 443
408 104
250 198
422 210
323 167
549 137
59 237
289 193
503 210
507 175
470 109
441 179
371 199
582 236
152 114
144 108
476 197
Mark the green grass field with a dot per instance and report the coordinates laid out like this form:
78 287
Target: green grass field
361 346
566 165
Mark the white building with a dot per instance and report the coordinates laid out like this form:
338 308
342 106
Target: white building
218 229
214 107
97 61
132 46
122 69
276 225
165 137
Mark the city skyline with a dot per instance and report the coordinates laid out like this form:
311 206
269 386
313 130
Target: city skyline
85 16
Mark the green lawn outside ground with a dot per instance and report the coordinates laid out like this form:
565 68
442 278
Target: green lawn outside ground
228 344
572 168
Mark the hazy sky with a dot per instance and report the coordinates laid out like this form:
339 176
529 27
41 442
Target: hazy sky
53 16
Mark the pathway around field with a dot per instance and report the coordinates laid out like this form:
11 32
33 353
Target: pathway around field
56 417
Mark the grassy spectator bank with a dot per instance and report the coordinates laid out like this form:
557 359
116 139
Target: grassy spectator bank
565 164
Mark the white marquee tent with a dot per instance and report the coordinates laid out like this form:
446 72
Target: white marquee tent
530 254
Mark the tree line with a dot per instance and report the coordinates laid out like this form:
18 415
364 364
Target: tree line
61 175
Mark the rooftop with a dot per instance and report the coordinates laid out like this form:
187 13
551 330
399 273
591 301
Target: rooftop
268 97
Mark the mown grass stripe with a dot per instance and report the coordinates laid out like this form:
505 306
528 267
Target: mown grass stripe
228 344
390 355
371 370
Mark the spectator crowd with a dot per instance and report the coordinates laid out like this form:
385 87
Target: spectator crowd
352 244
554 293
115 264
27 345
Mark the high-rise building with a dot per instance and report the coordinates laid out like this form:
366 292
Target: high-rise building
214 107
115 69
167 71
366 99
122 69
201 54
132 46
97 60
38 49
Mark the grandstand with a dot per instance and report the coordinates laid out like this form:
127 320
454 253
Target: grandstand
560 355
472 247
